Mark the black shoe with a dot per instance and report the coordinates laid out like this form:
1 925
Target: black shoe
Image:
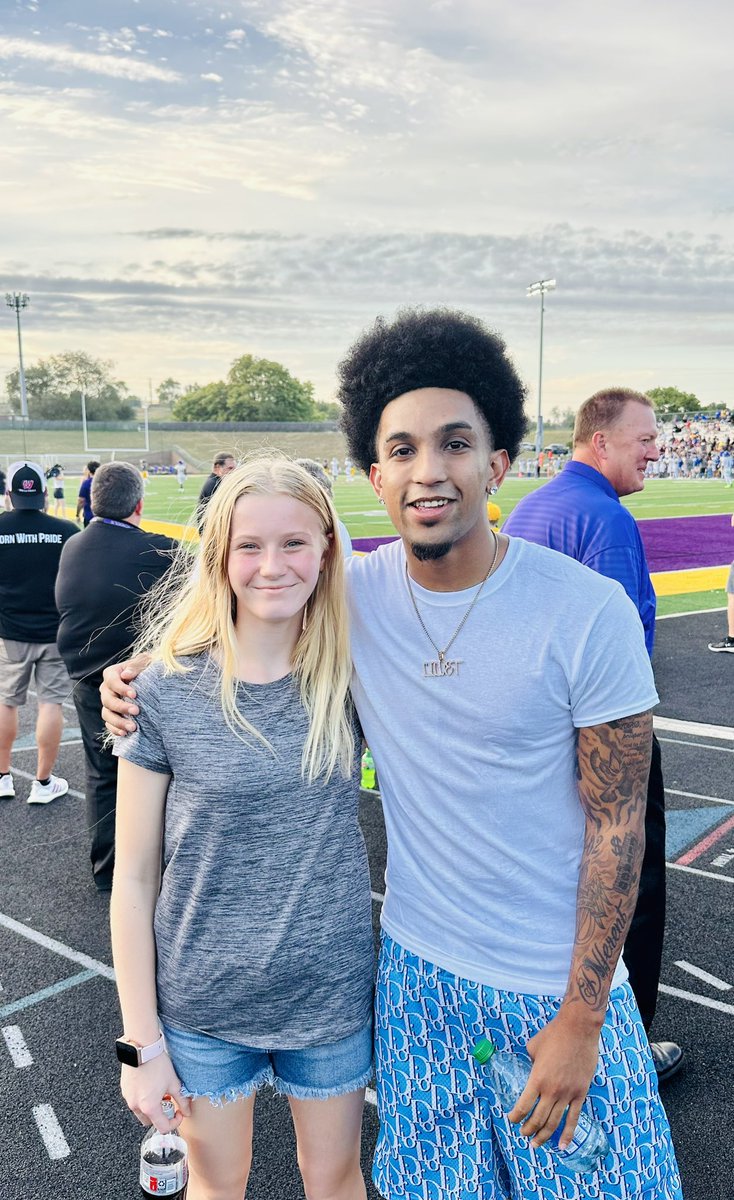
668 1059
725 646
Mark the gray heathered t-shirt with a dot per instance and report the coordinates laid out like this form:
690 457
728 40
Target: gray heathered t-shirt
263 923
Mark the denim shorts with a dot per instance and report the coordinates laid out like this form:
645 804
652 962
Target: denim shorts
224 1071
443 1133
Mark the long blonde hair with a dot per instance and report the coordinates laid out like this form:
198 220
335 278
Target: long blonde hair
193 610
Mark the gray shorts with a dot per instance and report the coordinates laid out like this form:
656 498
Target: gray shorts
21 660
730 581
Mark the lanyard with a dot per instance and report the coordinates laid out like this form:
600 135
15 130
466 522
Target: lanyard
119 524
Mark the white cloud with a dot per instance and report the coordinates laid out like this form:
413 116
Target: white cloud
65 58
212 78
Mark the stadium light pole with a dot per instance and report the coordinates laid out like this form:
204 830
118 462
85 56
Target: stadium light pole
18 300
539 289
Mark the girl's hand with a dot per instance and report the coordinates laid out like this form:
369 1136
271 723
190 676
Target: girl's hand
144 1087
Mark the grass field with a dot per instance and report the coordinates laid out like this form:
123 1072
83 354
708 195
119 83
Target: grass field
364 517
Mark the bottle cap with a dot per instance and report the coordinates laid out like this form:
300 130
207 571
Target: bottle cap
169 1108
483 1050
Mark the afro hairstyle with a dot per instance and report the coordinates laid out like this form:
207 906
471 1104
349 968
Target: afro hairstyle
437 347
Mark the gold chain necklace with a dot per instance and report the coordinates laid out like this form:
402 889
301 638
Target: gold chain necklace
433 669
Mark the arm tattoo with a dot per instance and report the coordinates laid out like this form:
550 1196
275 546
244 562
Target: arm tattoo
612 772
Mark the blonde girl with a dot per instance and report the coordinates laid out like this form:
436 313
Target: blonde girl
241 917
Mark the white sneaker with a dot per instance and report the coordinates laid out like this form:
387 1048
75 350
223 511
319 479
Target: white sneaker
44 793
7 787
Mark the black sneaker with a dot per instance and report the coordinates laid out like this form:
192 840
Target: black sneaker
668 1058
725 646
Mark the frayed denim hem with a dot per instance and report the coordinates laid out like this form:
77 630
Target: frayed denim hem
297 1092
229 1095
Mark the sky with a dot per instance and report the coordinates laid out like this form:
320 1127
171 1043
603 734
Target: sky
182 183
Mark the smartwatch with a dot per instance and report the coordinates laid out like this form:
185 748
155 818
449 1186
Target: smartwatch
132 1055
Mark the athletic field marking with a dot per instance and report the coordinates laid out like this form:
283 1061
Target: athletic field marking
677 866
704 975
694 728
47 993
15 1042
707 1003
706 843
696 796
698 745
51 1132
55 947
693 612
25 775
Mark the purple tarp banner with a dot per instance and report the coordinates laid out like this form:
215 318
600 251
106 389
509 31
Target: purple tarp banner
671 543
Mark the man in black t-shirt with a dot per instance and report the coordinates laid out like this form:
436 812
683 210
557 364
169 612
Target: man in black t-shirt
102 576
30 548
222 465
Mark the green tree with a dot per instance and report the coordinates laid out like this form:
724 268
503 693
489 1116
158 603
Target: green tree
669 401
256 390
561 418
168 391
327 410
208 403
54 387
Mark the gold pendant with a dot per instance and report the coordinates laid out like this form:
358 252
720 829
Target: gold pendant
444 666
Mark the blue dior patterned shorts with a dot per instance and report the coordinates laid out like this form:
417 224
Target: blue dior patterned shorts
443 1136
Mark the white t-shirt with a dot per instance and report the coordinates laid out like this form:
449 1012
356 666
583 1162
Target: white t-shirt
477 769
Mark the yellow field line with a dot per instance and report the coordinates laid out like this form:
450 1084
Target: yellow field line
699 579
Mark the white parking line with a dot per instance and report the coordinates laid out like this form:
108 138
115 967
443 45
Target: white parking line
377 897
370 1096
695 999
694 728
48 943
704 975
50 1131
17 1048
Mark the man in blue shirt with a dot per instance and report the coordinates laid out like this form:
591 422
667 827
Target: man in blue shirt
579 514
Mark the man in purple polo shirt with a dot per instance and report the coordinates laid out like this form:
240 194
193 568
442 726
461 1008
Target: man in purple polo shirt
579 514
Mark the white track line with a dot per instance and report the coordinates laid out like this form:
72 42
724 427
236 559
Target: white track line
17 1048
713 980
694 728
674 741
56 947
694 612
697 871
51 1132
697 796
718 1005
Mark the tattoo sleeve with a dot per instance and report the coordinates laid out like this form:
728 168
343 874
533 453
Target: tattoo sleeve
613 764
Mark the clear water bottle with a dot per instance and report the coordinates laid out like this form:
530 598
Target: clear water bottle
369 777
163 1160
510 1074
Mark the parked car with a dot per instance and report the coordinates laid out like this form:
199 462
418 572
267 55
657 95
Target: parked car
557 448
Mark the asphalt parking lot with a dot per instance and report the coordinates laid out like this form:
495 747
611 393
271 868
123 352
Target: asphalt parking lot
66 1132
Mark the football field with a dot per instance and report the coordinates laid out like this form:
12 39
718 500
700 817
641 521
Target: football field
365 518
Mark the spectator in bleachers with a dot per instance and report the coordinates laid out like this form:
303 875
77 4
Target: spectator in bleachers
102 576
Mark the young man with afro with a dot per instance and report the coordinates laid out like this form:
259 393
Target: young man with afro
513 752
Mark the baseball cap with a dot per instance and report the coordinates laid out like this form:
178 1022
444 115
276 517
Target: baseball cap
26 485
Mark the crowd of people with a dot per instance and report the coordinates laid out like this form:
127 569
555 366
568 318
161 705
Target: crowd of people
522 807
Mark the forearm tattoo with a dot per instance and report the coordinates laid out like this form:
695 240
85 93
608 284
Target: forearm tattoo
613 764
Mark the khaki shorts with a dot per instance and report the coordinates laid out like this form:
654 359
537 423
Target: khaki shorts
20 660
